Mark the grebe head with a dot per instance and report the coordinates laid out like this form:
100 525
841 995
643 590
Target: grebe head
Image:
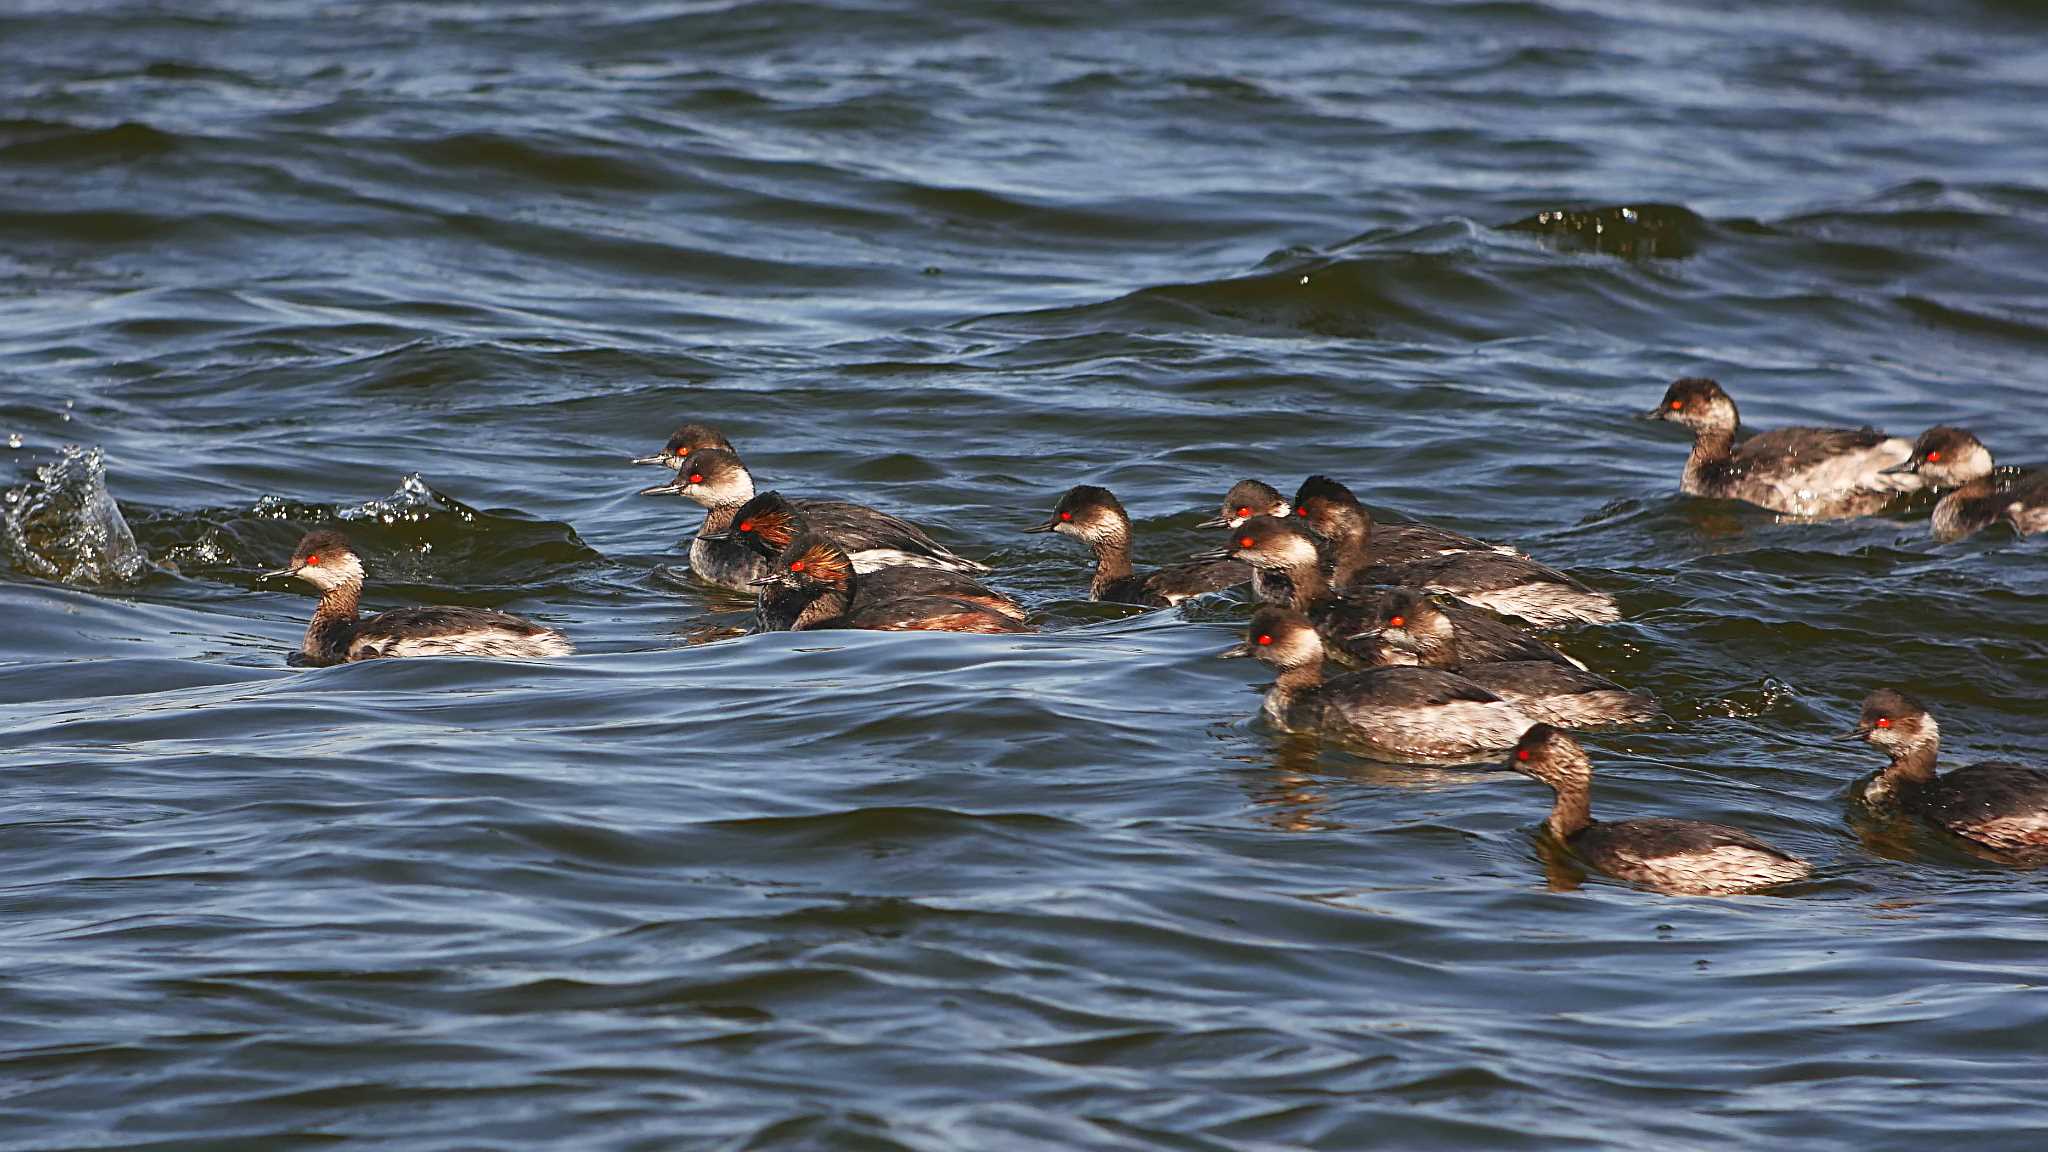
324 559
767 524
813 563
1246 499
1088 513
687 439
1268 542
1894 723
1699 404
1280 637
1546 754
714 477
1947 456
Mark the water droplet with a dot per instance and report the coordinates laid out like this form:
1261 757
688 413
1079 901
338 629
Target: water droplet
14 439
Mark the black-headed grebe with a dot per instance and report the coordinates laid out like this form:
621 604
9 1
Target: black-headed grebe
1246 499
717 480
1683 856
1946 456
1806 473
1291 575
1509 585
1545 684
1093 516
768 523
1334 513
2001 806
814 584
1401 713
686 439
325 560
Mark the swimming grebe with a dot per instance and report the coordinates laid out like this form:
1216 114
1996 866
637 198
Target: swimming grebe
1093 516
1401 712
1946 456
1999 805
1807 473
814 584
1683 856
686 439
717 480
326 560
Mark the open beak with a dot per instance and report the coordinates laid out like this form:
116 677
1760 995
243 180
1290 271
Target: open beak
1215 522
1912 465
672 488
1048 526
662 458
1236 651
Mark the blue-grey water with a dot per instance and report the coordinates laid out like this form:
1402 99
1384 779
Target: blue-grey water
929 892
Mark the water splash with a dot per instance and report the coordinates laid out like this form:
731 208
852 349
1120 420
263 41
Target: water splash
64 525
415 502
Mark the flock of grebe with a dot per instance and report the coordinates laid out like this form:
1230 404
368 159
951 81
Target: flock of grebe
1436 628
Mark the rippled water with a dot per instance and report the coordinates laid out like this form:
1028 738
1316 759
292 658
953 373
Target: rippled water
943 892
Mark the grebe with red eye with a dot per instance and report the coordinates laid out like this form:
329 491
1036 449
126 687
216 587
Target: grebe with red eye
686 439
1401 713
769 523
1093 516
325 560
813 585
1804 473
1690 857
1246 499
1945 456
718 481
1999 805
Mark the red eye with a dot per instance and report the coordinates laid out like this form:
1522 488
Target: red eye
313 560
1245 542
1244 511
1398 622
796 565
1884 721
1301 511
1523 753
1066 515
682 452
1676 405
1263 639
1934 457
696 477
746 525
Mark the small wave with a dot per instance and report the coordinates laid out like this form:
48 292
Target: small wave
64 525
1633 232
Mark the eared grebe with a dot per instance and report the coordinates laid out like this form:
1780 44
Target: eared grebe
687 438
814 584
717 480
1332 512
1807 473
1946 456
1246 499
1401 713
2001 806
1545 684
1684 856
1093 516
1509 585
325 560
769 523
